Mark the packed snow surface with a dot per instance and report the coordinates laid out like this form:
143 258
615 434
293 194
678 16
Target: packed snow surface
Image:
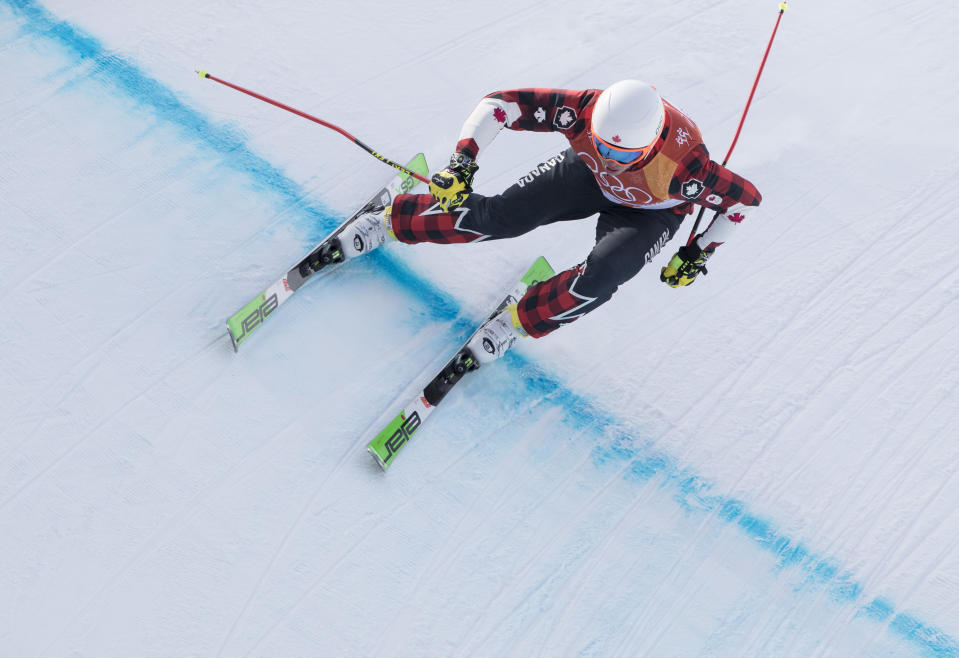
762 464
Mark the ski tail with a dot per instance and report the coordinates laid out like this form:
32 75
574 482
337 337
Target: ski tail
538 272
397 432
252 316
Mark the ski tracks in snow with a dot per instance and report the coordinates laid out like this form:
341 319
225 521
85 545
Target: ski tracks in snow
518 608
373 523
309 506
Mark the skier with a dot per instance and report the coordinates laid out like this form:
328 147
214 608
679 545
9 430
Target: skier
634 159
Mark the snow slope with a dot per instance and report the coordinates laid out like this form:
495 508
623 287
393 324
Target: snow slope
763 464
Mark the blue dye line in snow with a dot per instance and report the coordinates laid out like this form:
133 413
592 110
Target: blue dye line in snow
693 494
152 96
691 491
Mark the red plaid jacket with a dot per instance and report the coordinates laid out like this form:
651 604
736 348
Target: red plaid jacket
679 175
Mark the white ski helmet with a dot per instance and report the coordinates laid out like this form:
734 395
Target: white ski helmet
628 115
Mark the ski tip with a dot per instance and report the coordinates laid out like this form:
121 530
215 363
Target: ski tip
202 73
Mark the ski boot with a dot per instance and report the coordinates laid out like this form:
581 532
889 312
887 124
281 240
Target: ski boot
367 232
496 336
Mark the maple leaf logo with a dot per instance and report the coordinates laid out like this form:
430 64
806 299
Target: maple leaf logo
564 118
692 188
499 115
617 139
736 217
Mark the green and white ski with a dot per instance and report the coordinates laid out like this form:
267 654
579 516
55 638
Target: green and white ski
397 432
327 253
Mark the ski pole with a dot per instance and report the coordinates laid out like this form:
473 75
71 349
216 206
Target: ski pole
742 119
381 158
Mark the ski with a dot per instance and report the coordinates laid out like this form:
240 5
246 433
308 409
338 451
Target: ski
397 432
326 254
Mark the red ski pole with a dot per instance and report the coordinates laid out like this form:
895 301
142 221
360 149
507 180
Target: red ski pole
204 74
742 119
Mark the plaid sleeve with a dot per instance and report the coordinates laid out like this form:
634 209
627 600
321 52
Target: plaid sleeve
548 110
700 180
534 109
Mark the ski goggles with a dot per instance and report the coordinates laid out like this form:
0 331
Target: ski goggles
620 155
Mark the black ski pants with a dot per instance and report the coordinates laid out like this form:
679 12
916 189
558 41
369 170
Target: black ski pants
560 189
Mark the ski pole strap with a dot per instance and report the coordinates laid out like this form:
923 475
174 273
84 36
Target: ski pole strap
327 124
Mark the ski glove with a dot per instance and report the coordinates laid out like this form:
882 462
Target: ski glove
685 266
451 186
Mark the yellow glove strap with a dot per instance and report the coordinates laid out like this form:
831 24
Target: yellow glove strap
671 276
448 190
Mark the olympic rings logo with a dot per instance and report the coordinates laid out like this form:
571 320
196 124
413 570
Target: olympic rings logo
614 186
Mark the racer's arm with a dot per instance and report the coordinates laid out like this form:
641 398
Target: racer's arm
537 110
708 183
705 182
